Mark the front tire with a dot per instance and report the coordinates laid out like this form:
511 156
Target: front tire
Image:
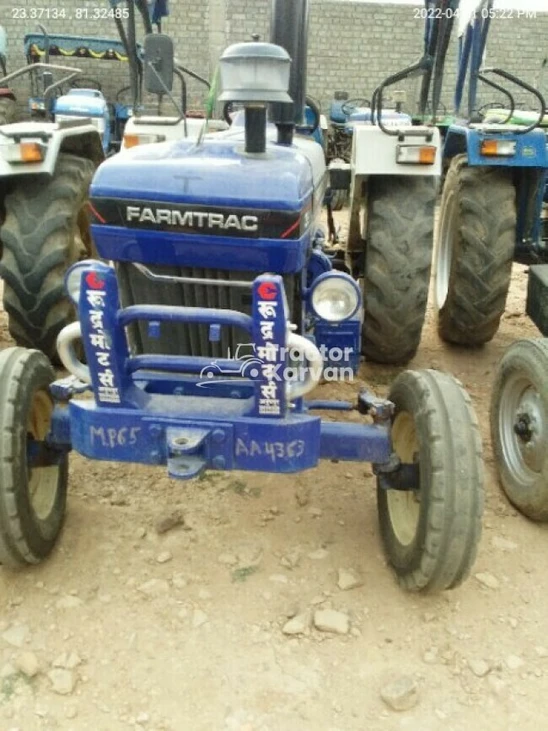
46 230
399 242
33 485
474 252
431 535
519 426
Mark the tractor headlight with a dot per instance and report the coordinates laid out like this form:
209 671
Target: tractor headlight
73 281
335 297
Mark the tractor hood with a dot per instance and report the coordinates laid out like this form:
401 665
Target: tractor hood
189 204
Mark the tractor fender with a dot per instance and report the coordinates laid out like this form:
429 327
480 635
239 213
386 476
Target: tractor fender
530 148
81 139
376 153
529 165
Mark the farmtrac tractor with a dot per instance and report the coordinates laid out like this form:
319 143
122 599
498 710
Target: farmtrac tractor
491 207
84 97
46 169
213 245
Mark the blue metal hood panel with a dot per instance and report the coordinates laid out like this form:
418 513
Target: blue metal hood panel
184 204
217 172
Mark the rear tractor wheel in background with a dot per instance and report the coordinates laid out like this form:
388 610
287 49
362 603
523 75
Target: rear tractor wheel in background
398 257
45 231
474 252
431 525
519 426
33 476
339 198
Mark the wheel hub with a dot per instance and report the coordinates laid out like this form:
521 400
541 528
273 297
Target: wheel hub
523 428
530 429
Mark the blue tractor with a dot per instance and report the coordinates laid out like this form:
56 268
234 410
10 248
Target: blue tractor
84 99
491 207
213 245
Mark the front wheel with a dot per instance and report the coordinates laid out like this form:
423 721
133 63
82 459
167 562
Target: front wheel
519 426
431 531
33 476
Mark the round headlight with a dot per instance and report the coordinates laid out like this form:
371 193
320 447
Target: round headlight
335 297
73 281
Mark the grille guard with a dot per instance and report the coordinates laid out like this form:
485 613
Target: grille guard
146 411
111 368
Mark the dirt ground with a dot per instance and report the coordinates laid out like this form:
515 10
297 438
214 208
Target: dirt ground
128 628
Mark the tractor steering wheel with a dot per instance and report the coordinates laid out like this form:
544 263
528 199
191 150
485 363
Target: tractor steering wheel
85 82
493 105
352 104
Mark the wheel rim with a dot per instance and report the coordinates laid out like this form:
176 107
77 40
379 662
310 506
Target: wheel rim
42 480
404 506
522 429
445 250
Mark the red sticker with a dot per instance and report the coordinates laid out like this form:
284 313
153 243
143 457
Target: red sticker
93 281
268 291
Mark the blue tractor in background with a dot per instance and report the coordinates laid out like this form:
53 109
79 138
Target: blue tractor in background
214 244
491 207
84 98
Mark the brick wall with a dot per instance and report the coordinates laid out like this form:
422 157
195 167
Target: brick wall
353 45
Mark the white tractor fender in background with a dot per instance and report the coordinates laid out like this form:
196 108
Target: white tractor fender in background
166 132
375 153
33 131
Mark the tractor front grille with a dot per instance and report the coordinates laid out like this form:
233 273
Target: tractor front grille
182 338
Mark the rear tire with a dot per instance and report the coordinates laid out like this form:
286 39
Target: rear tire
519 426
8 110
431 535
32 498
399 243
339 198
45 231
474 252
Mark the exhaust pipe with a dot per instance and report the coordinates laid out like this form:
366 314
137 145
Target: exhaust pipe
290 30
